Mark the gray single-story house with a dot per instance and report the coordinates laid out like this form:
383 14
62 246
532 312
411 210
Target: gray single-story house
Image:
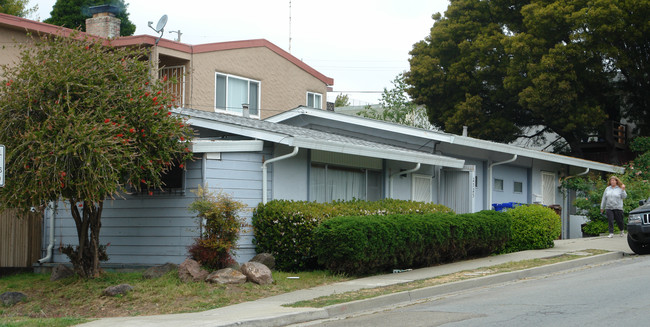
315 155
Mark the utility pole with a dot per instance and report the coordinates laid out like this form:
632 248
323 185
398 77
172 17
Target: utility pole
179 35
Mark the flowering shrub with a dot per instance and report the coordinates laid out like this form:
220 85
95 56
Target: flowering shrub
80 119
220 225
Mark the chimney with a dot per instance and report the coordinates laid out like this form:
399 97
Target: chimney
103 23
464 130
245 110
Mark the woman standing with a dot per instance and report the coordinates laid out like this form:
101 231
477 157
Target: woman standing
612 204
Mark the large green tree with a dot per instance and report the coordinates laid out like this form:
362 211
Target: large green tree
503 66
17 7
82 122
73 14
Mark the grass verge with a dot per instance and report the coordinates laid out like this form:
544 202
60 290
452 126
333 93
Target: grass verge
73 300
325 301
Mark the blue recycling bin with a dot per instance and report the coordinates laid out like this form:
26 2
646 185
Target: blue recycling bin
505 206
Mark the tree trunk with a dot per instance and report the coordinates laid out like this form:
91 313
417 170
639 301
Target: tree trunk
86 256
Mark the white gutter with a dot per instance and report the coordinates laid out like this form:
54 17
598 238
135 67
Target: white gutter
264 181
50 245
565 205
489 178
417 167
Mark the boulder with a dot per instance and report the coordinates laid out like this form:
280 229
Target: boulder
226 276
159 271
11 298
118 290
257 273
191 271
266 259
61 271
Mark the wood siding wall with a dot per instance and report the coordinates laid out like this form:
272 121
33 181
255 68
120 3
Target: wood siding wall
240 175
151 230
20 238
141 229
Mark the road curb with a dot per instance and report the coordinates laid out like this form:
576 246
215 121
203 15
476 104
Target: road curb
406 297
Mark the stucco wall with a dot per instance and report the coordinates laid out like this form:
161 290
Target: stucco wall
9 42
283 85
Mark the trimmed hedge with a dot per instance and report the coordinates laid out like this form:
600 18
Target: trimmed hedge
285 228
364 245
533 227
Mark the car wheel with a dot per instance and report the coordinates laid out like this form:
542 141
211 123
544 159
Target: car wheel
638 247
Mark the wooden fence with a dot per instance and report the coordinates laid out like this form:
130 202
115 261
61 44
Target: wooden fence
20 238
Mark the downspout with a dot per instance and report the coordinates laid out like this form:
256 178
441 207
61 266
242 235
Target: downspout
417 167
264 181
52 214
489 178
565 204
204 183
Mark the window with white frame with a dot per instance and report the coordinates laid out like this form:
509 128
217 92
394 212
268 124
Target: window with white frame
518 187
329 183
231 92
421 188
314 100
498 185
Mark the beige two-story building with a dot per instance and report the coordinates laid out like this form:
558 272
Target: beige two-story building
215 77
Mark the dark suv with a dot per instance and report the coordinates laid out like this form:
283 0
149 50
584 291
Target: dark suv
638 228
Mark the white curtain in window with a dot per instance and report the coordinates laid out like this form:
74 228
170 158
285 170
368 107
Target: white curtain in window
317 184
345 185
237 94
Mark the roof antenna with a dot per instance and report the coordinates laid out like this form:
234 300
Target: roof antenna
160 27
289 26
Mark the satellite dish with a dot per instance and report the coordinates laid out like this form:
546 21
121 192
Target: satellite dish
161 23
159 27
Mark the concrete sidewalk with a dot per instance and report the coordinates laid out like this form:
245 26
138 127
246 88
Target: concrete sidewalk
270 312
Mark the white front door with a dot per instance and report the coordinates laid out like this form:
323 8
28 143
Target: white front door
421 190
548 188
457 188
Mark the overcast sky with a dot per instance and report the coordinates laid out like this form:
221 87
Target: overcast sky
361 44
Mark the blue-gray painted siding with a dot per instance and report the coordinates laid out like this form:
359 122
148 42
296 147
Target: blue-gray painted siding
239 174
149 230
510 175
140 229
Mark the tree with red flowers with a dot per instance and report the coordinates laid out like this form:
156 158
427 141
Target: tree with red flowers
83 121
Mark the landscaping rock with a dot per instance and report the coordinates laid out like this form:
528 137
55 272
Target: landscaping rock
61 271
257 273
11 298
118 290
191 271
266 259
159 271
226 276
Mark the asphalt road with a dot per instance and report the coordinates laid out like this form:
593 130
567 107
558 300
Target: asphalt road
613 294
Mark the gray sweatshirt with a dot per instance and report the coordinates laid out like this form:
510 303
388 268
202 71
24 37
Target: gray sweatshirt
613 198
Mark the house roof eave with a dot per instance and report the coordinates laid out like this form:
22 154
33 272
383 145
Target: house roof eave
451 139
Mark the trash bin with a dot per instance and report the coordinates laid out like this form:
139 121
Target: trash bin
505 206
497 206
